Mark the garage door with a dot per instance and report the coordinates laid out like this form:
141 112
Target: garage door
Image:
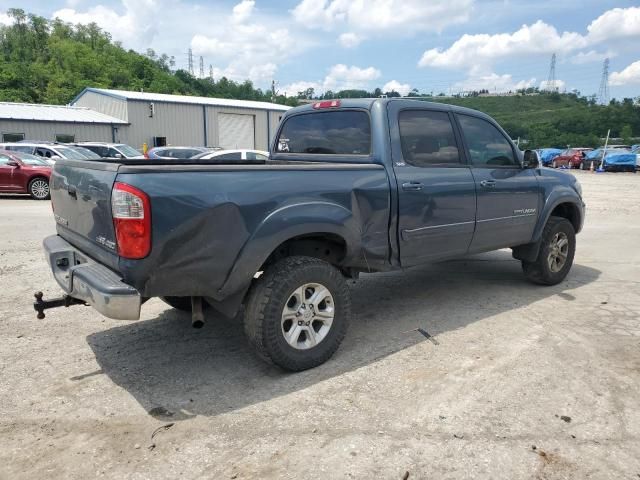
236 131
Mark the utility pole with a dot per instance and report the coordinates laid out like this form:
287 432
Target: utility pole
274 93
201 67
603 94
190 61
551 81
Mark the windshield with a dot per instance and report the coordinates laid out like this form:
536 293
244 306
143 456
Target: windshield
128 151
71 153
29 159
86 152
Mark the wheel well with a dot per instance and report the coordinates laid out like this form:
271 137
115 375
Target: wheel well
568 211
325 246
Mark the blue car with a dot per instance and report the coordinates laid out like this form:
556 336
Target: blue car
547 155
620 161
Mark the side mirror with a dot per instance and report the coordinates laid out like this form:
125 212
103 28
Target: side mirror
55 157
118 155
530 159
13 163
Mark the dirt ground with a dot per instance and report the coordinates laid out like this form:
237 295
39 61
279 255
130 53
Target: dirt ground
517 381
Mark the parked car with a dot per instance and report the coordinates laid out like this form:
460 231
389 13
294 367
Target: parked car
50 151
111 150
24 173
225 155
358 185
548 154
86 153
570 158
636 149
176 152
595 156
619 160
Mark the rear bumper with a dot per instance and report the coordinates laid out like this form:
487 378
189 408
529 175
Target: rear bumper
83 278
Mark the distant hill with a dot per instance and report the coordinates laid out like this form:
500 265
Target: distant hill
43 61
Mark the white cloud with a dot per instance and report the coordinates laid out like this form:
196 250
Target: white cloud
5 19
558 85
137 26
590 57
339 77
629 76
493 82
615 23
478 52
242 11
350 40
395 86
377 15
481 50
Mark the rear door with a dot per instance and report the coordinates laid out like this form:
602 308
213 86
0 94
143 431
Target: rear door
7 182
436 190
509 196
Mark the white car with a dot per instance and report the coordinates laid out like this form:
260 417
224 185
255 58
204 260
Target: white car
49 151
239 154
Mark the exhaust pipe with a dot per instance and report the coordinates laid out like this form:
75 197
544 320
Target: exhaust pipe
197 318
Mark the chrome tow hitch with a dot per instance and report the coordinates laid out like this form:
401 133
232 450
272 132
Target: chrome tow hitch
41 305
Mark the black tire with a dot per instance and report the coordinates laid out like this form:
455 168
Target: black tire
39 188
267 298
539 271
179 303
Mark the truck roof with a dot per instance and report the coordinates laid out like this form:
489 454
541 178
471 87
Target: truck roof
369 103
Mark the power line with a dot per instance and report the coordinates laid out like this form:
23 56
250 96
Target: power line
603 93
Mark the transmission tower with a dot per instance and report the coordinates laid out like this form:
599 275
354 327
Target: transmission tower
551 81
201 67
190 62
603 94
211 72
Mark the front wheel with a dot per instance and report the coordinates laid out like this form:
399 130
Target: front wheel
297 312
556 253
39 188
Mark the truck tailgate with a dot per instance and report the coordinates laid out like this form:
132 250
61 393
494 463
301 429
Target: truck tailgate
81 199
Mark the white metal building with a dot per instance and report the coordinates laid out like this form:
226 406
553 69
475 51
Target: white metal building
159 119
24 121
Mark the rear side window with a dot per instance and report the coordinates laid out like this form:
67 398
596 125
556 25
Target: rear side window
334 133
427 138
487 145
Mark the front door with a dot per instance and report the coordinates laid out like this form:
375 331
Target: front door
509 196
436 191
7 181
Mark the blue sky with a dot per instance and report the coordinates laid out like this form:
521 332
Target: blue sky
434 46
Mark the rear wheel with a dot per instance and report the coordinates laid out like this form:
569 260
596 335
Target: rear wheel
179 303
556 253
39 188
297 313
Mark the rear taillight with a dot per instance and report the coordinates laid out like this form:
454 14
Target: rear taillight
131 212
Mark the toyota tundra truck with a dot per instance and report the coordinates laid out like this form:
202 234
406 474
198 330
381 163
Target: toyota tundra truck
351 186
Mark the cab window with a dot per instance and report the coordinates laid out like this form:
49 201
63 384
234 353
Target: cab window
488 147
427 138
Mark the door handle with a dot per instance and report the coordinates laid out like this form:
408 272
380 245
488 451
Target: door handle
412 186
72 192
488 183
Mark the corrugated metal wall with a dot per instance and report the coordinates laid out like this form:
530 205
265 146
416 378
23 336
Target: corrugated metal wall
114 107
47 130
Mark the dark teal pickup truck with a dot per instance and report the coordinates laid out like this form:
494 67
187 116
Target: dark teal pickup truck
351 186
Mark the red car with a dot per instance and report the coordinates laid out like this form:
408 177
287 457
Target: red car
24 173
572 158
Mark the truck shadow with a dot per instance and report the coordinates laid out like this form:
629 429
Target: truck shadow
176 372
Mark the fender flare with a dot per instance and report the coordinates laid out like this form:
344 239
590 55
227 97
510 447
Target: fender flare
283 224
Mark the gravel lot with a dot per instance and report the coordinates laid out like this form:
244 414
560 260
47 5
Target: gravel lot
518 381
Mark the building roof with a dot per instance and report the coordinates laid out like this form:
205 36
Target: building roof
163 97
54 113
